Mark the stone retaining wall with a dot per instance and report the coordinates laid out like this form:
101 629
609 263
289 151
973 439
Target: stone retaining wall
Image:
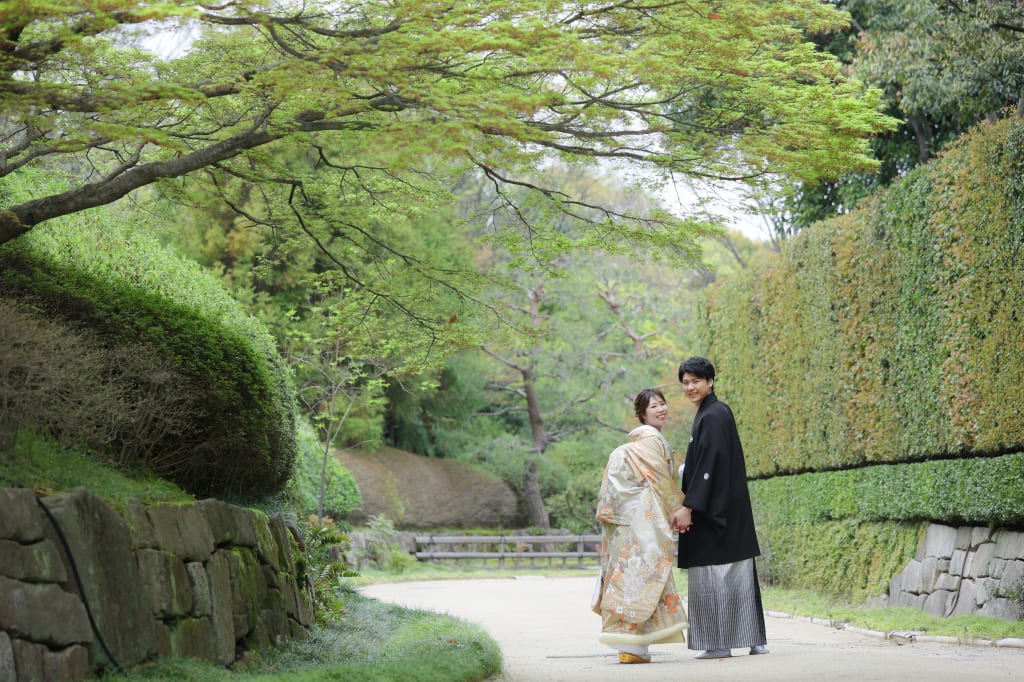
207 580
964 570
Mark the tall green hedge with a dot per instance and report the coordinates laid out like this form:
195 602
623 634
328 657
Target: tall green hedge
113 281
974 491
847 558
892 333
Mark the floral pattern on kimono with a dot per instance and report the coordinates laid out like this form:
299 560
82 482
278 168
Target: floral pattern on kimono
637 597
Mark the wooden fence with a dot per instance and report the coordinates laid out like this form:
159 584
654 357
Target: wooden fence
511 551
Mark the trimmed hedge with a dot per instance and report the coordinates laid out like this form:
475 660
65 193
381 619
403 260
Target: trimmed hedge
975 491
851 559
117 284
892 333
876 370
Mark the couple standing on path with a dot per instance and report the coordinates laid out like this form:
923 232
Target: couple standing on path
640 509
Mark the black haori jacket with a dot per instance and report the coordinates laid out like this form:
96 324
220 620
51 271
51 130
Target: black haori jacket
715 484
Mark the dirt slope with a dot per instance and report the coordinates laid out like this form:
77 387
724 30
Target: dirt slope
425 492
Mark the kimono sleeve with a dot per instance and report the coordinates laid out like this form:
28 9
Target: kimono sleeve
621 488
709 473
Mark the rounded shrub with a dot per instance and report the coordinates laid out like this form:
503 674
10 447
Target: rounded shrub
181 331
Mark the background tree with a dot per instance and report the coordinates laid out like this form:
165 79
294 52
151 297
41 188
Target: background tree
943 65
477 83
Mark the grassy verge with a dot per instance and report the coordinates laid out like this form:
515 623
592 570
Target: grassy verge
36 463
370 641
888 619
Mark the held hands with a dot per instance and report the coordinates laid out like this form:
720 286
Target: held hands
681 519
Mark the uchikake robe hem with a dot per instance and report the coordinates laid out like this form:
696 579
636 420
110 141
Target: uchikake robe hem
674 634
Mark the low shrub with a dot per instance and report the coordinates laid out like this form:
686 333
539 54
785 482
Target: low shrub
202 396
341 495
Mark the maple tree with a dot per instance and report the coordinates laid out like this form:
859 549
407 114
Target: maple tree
384 96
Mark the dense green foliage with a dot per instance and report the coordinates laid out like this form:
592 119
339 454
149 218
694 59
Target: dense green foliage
673 87
237 434
976 491
892 333
942 67
341 492
848 558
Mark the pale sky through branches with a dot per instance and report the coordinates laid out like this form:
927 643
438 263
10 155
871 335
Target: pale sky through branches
679 198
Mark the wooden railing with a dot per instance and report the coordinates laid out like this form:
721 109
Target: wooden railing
511 551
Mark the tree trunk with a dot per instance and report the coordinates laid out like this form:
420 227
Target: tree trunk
923 138
536 512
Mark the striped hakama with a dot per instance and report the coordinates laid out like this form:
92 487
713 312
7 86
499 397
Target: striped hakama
725 606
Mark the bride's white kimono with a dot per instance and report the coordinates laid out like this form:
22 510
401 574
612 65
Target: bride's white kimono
636 596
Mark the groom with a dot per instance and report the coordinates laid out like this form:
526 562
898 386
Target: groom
717 541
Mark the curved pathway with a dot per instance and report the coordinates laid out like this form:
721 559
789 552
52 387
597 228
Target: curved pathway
548 633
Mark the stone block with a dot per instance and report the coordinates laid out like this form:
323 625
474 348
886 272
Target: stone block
257 638
101 548
950 583
307 609
28 660
298 631
199 583
929 574
22 521
248 589
289 595
182 531
980 535
193 638
996 567
939 542
1013 576
943 565
283 540
958 562
160 642
963 537
43 612
8 673
139 526
937 603
39 562
1000 607
275 623
229 525
984 590
37 663
1009 544
980 566
66 665
266 546
964 605
912 577
895 585
907 599
221 618
900 598
968 570
167 582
